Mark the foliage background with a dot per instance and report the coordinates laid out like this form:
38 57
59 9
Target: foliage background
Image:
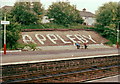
66 16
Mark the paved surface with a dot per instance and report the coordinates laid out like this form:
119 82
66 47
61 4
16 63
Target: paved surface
73 47
50 53
108 79
55 54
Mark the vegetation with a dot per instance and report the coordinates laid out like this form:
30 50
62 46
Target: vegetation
21 14
118 11
27 13
107 33
12 35
30 45
12 31
0 29
53 26
64 14
106 15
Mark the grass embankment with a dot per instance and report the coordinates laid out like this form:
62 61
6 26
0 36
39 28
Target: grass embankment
107 33
53 26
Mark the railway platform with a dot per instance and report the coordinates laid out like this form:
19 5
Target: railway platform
62 53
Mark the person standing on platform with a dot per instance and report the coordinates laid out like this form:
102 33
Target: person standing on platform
85 45
77 45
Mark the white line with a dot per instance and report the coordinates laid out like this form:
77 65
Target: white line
102 78
12 51
24 62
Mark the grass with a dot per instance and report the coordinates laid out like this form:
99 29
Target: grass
53 25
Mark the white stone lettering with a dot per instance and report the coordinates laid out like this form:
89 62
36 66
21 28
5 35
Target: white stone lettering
63 39
71 38
79 37
89 37
41 40
52 39
27 40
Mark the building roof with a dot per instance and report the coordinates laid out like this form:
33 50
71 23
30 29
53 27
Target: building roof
7 8
85 13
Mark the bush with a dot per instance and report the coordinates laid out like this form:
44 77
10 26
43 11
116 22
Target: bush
107 33
109 43
20 46
32 46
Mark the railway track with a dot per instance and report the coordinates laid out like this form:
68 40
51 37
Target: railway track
61 76
71 76
62 71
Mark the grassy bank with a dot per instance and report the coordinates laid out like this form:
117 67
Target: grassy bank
53 25
105 32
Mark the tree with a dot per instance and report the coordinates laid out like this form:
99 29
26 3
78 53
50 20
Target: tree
0 29
106 15
13 35
118 16
118 11
12 31
63 13
27 13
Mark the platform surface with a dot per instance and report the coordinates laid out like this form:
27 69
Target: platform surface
108 79
56 53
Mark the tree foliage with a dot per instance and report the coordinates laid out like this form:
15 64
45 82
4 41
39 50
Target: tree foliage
106 15
12 30
64 13
27 13
118 11
118 15
12 33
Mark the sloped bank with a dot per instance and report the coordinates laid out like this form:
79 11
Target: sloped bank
60 37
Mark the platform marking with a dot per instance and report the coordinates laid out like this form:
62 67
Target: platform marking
25 62
95 80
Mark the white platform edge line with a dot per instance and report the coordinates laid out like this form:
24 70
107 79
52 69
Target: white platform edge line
25 62
12 51
102 78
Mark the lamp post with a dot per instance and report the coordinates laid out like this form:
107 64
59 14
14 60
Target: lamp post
5 35
117 44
